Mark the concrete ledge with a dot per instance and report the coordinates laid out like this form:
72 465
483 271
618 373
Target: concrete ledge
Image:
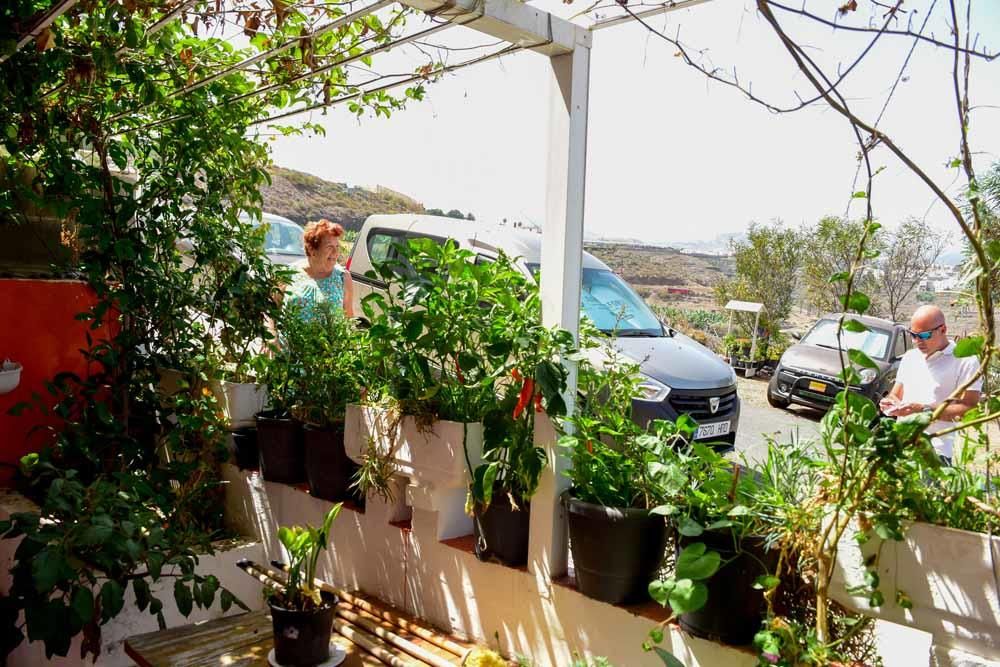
407 566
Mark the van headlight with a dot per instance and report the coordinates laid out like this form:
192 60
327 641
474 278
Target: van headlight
652 390
868 375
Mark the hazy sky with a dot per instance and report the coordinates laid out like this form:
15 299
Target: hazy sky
673 156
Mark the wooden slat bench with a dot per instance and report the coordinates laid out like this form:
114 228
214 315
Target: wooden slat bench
246 639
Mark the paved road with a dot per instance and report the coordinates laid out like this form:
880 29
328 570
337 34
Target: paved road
759 421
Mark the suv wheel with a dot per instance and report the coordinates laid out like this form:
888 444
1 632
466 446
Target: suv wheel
773 399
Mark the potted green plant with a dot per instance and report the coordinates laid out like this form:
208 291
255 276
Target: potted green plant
332 353
440 350
502 486
279 434
616 480
301 614
728 509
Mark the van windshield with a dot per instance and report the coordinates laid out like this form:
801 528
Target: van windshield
283 239
874 342
612 305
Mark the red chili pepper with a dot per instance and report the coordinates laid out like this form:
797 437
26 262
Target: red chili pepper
538 402
527 390
458 372
516 374
590 446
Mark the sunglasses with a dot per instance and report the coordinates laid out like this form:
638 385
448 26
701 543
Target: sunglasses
925 335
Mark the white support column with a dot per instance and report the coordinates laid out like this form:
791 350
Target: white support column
561 268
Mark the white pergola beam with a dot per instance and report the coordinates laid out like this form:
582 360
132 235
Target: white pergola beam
54 12
510 21
666 7
561 281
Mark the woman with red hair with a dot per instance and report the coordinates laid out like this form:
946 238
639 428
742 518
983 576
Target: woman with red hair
321 280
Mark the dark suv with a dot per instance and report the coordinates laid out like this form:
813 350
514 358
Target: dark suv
808 371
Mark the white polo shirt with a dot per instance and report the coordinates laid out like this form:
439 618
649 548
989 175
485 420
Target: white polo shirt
931 380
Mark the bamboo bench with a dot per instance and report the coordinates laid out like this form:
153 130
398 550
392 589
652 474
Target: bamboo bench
372 634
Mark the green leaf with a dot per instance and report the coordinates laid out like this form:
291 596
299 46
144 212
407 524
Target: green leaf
185 601
667 657
766 582
859 358
95 535
112 600
969 347
903 600
660 589
857 301
860 194
48 568
688 596
840 277
689 527
82 604
695 562
226 600
141 589
854 326
664 510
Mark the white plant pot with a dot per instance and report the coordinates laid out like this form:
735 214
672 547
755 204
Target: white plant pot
432 458
240 401
10 376
948 574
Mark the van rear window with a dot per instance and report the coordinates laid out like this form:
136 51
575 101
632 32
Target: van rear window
380 246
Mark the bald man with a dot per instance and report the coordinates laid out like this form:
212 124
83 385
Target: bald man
928 374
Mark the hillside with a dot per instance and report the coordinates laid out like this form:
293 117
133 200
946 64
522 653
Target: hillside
303 197
664 275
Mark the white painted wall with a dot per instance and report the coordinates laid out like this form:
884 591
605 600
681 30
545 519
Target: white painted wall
452 589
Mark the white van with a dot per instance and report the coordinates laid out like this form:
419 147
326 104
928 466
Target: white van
680 376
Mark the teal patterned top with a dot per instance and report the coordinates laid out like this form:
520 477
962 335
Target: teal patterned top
307 292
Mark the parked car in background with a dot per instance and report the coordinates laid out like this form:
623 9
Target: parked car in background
808 372
679 375
283 242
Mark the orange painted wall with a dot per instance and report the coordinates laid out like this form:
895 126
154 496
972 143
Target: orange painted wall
38 329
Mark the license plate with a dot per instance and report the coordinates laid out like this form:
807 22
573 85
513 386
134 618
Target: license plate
711 430
817 386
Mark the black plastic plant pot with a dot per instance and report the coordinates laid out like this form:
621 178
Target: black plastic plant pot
501 531
302 638
282 455
246 452
616 551
327 466
734 609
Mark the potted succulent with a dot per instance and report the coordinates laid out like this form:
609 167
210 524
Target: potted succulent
301 614
332 354
615 483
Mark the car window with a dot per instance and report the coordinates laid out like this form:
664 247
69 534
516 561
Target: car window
900 343
612 305
873 342
283 239
380 246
